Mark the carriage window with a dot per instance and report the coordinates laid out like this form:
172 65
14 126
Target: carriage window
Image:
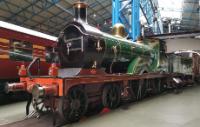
20 50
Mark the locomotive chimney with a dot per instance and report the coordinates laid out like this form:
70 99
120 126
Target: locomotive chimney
80 10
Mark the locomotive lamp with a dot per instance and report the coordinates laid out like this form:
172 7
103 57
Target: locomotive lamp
22 71
53 70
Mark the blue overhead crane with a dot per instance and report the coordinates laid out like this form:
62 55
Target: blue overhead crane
127 12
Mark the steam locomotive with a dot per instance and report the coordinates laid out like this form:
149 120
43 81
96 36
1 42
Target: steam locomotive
95 68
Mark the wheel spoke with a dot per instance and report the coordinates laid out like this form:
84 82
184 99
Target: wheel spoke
111 103
111 96
72 113
41 109
73 94
39 102
79 96
77 113
39 105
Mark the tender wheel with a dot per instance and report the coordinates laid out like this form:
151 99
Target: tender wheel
153 87
39 105
73 106
159 86
134 85
139 88
143 88
111 96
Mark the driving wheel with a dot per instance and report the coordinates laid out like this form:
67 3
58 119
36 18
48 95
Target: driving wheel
73 107
111 96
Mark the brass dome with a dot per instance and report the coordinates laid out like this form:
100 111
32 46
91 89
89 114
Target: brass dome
118 30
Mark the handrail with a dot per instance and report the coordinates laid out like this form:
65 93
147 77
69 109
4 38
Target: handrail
36 59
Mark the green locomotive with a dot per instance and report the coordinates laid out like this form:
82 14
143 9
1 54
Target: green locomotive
95 68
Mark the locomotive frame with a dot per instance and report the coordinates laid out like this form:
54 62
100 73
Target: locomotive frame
72 97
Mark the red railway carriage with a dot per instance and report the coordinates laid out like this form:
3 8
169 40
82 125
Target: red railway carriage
20 45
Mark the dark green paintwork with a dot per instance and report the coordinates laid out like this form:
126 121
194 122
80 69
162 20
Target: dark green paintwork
140 56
